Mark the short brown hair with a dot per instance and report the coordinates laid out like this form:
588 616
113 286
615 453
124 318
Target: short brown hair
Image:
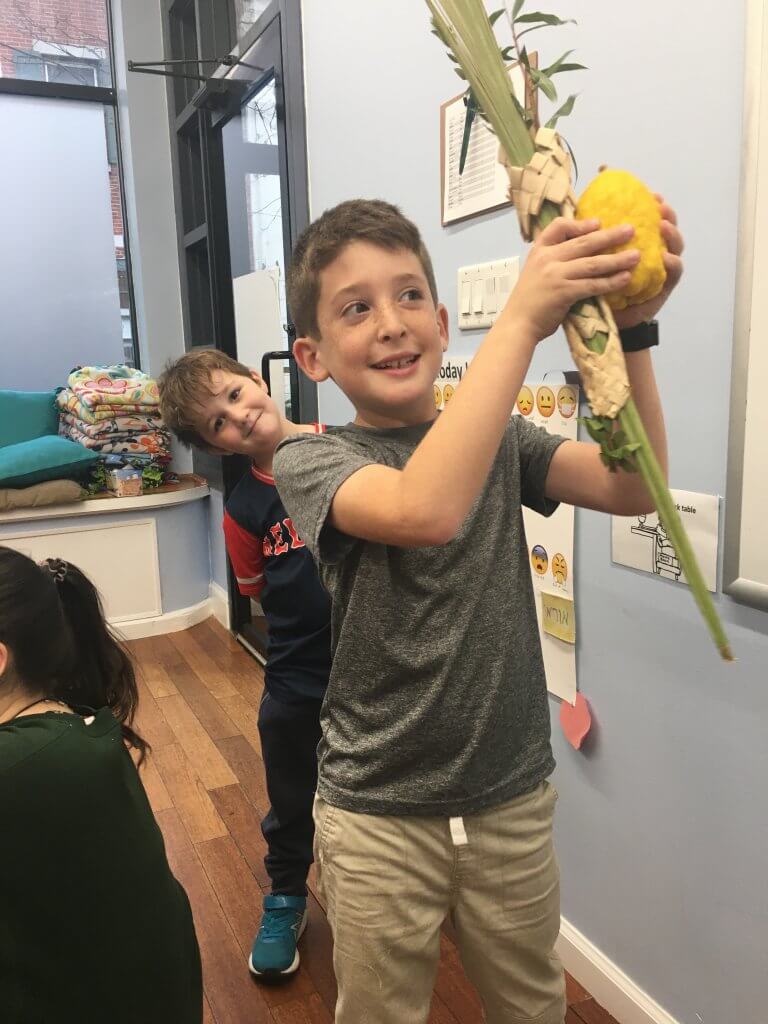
357 220
185 384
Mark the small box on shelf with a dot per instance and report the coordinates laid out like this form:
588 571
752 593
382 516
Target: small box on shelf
124 482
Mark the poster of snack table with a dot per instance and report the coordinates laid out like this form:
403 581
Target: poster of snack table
553 405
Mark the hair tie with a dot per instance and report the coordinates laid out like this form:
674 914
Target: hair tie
57 567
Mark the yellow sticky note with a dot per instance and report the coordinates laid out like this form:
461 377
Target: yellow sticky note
558 617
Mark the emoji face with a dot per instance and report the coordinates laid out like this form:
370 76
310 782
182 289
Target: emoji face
566 401
559 568
448 391
438 396
525 401
539 557
545 401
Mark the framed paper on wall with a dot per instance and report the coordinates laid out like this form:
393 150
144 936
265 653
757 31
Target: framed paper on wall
483 185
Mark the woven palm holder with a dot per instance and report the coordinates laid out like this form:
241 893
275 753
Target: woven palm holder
547 178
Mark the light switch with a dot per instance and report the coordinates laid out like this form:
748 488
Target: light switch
490 295
504 287
481 291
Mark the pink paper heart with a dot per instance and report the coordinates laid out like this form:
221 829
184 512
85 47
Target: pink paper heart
576 720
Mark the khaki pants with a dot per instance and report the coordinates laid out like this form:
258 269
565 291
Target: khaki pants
389 883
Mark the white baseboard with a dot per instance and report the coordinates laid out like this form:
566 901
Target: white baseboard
219 604
171 622
609 985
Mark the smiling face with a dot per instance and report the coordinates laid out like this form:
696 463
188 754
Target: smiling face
240 417
545 401
566 401
381 337
525 401
539 560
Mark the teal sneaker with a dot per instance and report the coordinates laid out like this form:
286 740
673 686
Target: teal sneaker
274 948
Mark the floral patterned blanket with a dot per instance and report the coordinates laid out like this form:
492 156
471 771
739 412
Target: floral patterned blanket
96 393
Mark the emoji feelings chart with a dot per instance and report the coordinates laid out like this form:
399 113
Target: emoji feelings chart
553 407
448 380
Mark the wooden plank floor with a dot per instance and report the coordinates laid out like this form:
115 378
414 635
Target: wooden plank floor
199 702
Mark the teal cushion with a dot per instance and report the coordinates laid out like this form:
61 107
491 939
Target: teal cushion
25 415
44 458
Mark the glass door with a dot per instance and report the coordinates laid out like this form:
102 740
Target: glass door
257 242
262 221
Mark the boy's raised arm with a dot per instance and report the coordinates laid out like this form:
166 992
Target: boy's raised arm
577 474
426 503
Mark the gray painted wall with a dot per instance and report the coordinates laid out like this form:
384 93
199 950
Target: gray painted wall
661 829
152 220
186 551
216 538
146 145
184 556
145 136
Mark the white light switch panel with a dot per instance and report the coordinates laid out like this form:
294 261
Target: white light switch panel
483 290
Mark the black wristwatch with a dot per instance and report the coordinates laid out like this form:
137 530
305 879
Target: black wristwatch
645 335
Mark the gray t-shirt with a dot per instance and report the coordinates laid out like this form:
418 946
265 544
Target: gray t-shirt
437 701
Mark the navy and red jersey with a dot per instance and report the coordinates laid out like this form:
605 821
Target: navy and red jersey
273 565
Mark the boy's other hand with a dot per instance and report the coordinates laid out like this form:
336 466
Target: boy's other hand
570 261
634 315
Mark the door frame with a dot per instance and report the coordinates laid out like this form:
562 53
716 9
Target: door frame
201 116
284 18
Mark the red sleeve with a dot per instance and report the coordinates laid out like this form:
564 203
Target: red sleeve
246 555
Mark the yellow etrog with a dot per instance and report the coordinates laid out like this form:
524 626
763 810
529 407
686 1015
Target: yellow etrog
618 197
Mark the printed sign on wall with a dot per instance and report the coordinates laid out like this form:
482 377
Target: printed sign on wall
641 542
553 406
448 379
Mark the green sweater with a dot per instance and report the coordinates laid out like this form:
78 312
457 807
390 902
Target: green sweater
94 928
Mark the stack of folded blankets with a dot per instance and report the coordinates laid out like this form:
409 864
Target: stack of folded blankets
114 410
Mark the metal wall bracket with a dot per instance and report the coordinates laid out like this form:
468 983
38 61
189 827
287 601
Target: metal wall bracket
159 67
215 93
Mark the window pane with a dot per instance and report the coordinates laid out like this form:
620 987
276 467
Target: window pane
65 41
265 226
259 117
73 73
62 239
264 212
248 13
29 67
255 217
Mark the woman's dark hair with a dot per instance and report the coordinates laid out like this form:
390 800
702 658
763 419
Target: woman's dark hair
53 624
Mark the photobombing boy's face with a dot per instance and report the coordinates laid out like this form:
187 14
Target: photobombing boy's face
239 416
